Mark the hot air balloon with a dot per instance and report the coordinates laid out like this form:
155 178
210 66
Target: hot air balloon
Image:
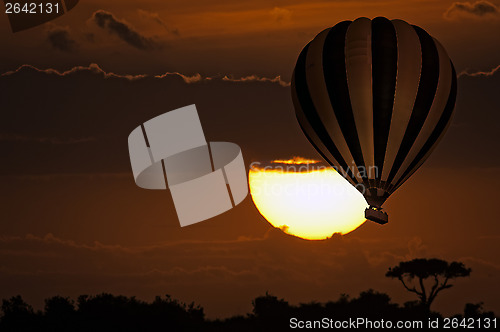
374 97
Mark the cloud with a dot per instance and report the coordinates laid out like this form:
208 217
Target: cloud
480 73
477 9
155 17
195 78
186 78
90 37
416 249
296 160
60 39
92 68
263 103
227 78
188 262
218 269
255 78
210 270
124 31
108 109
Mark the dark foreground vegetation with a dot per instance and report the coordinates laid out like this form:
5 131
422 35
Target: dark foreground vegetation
426 278
106 312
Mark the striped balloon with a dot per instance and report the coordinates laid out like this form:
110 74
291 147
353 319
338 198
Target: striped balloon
374 97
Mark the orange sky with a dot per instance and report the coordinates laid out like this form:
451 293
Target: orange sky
72 220
240 38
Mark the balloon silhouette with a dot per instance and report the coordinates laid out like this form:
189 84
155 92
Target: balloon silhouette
374 97
28 14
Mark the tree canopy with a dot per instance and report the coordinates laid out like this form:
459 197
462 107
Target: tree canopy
438 271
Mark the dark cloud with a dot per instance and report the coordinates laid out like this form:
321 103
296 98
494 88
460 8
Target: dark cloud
480 73
92 68
124 31
60 39
234 269
264 116
109 106
90 37
477 9
256 78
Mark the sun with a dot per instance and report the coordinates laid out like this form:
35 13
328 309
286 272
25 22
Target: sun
305 201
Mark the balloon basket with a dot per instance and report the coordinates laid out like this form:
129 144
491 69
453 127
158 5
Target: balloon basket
376 215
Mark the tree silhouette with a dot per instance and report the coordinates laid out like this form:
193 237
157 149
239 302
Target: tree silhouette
18 315
59 313
270 312
440 273
107 312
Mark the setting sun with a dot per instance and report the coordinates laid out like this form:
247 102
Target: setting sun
309 202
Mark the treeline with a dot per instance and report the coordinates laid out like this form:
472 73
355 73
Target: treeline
106 312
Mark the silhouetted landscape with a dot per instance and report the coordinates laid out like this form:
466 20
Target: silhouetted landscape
107 312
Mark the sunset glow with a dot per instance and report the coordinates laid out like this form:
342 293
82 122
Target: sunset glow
295 161
312 204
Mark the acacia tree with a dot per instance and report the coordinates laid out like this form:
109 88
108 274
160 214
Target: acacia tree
413 275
